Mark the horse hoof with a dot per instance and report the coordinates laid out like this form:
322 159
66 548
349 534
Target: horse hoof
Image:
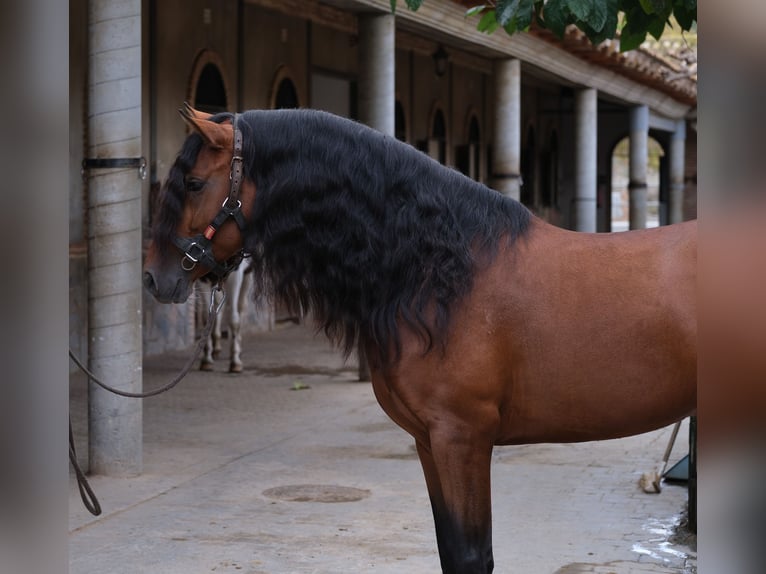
206 366
235 368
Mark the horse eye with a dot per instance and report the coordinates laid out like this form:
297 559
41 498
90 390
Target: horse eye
194 185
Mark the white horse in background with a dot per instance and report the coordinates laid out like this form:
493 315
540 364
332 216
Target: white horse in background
236 286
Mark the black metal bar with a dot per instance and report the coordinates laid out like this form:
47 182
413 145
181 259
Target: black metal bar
113 162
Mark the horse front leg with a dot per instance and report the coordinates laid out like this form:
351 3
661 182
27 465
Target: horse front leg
457 472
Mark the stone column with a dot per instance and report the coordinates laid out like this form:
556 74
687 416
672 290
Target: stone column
377 57
639 154
586 159
377 95
677 163
506 144
114 236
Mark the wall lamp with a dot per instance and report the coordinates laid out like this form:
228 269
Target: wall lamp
441 59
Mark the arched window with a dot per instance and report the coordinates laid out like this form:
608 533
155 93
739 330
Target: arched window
528 168
550 172
210 94
468 155
620 216
400 122
283 94
287 96
437 143
207 88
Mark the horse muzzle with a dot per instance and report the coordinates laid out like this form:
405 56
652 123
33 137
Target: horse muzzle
168 290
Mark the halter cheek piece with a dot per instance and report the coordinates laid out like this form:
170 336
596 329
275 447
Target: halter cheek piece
199 249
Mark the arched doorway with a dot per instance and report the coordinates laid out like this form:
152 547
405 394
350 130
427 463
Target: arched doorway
620 199
529 168
287 96
468 156
550 173
400 122
437 143
208 90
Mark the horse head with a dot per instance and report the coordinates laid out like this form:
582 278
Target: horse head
202 209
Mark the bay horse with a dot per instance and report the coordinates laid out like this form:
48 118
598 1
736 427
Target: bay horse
483 325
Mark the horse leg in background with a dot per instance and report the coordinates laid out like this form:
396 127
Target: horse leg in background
457 472
216 336
237 293
209 353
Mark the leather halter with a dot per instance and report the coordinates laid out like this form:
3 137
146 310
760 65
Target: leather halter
199 249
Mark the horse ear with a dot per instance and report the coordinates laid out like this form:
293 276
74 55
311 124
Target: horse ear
188 109
218 136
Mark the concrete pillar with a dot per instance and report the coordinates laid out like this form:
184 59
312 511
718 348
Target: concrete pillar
506 145
586 159
677 163
377 95
114 236
377 92
639 155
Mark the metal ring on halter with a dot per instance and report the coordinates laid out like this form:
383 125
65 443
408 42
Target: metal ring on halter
190 257
183 262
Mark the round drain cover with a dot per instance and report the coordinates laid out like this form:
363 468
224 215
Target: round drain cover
316 493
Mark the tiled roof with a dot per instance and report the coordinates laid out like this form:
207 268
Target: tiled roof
672 73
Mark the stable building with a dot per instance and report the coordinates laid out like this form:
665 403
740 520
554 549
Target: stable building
533 116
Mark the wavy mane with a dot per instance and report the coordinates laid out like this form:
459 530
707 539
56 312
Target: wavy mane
357 227
366 231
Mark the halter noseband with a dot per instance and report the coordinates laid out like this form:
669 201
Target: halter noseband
198 249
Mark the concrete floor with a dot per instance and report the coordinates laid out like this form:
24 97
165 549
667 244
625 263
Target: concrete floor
217 446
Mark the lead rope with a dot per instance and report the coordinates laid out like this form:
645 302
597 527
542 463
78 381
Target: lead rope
86 492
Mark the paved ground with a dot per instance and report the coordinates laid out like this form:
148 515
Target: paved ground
222 452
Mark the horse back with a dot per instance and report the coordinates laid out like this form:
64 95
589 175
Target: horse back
564 337
602 332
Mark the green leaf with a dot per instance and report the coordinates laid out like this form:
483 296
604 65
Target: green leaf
597 16
581 8
657 26
476 10
556 16
525 14
488 22
637 23
630 40
685 16
609 29
414 4
505 11
654 6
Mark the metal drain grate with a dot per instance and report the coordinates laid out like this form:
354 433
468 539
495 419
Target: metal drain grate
317 493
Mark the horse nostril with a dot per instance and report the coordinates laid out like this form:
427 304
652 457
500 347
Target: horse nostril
150 283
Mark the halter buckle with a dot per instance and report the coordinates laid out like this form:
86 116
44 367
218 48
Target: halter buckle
234 158
188 256
224 205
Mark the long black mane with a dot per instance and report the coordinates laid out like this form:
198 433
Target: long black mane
359 228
